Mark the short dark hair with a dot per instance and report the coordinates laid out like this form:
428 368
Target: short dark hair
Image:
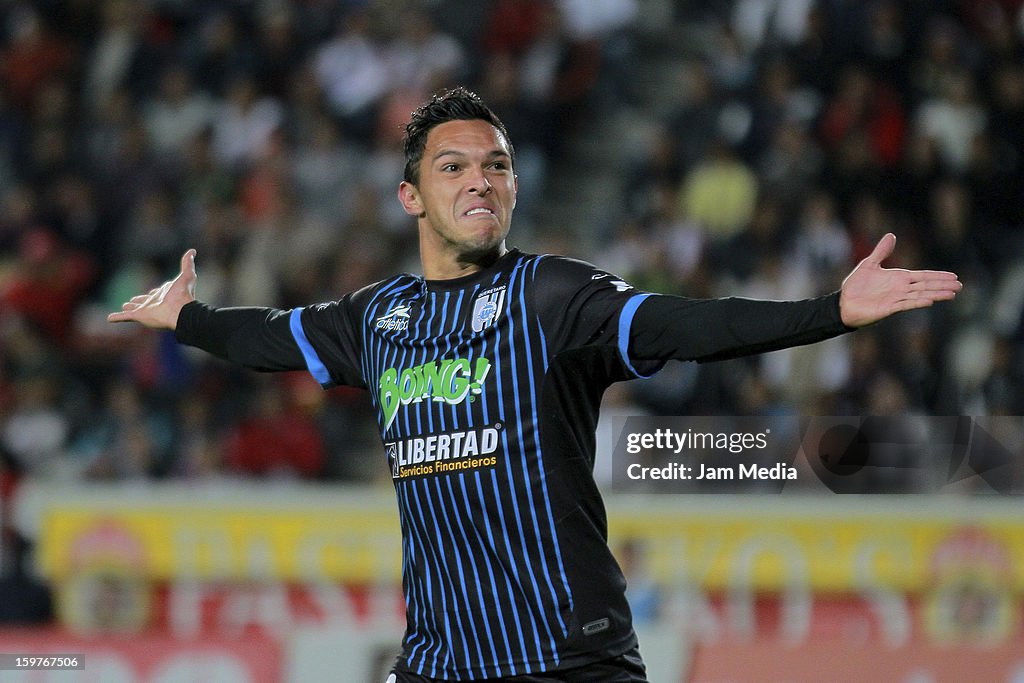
456 104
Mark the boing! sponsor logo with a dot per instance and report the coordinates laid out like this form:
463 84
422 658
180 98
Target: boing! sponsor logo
451 380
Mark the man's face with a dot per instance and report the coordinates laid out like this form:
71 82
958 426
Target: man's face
465 195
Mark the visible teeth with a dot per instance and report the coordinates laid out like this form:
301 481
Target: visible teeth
473 211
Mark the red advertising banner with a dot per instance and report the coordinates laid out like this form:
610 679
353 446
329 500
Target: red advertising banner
966 632
890 620
147 658
838 662
273 608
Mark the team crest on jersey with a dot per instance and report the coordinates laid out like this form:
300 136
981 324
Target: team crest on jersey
487 307
396 319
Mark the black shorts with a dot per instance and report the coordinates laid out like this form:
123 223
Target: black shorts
626 668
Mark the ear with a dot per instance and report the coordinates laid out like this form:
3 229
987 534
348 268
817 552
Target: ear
410 198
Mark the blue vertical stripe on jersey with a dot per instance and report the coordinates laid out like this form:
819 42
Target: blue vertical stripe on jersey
375 359
472 638
490 549
461 336
529 581
444 561
434 647
543 344
508 572
455 342
313 362
625 324
443 577
405 356
497 491
461 546
495 657
426 617
414 581
531 508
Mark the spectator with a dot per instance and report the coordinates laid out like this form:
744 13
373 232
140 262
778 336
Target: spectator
177 113
324 171
421 58
127 440
352 72
276 439
32 58
216 54
866 109
50 281
720 193
123 137
953 119
120 58
37 428
245 125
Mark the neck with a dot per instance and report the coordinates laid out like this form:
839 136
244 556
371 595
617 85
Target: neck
449 268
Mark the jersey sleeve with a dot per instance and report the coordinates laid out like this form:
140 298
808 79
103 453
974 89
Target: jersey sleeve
329 339
678 328
315 338
581 305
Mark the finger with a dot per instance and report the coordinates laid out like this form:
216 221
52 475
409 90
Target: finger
188 262
930 298
911 304
934 286
922 299
918 275
122 317
882 250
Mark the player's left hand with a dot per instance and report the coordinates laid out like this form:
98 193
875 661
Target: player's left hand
871 292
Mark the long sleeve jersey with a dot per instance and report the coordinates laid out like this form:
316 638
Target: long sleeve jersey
487 390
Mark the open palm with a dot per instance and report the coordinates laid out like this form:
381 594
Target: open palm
871 292
159 307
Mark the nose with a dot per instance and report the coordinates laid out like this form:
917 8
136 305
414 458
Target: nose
480 185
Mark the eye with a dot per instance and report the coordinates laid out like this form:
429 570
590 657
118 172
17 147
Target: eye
499 166
450 168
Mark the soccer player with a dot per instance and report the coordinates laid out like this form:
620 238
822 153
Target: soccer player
486 373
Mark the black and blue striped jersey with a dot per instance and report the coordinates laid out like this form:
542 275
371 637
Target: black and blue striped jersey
487 390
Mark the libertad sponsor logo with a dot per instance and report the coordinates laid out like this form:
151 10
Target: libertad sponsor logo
487 307
449 452
451 380
396 319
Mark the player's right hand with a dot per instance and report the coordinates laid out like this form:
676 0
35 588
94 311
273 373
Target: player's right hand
159 307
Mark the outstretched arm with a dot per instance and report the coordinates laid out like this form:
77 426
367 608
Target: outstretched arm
871 292
670 327
258 338
159 308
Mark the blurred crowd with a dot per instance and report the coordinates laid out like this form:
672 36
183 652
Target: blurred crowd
787 137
